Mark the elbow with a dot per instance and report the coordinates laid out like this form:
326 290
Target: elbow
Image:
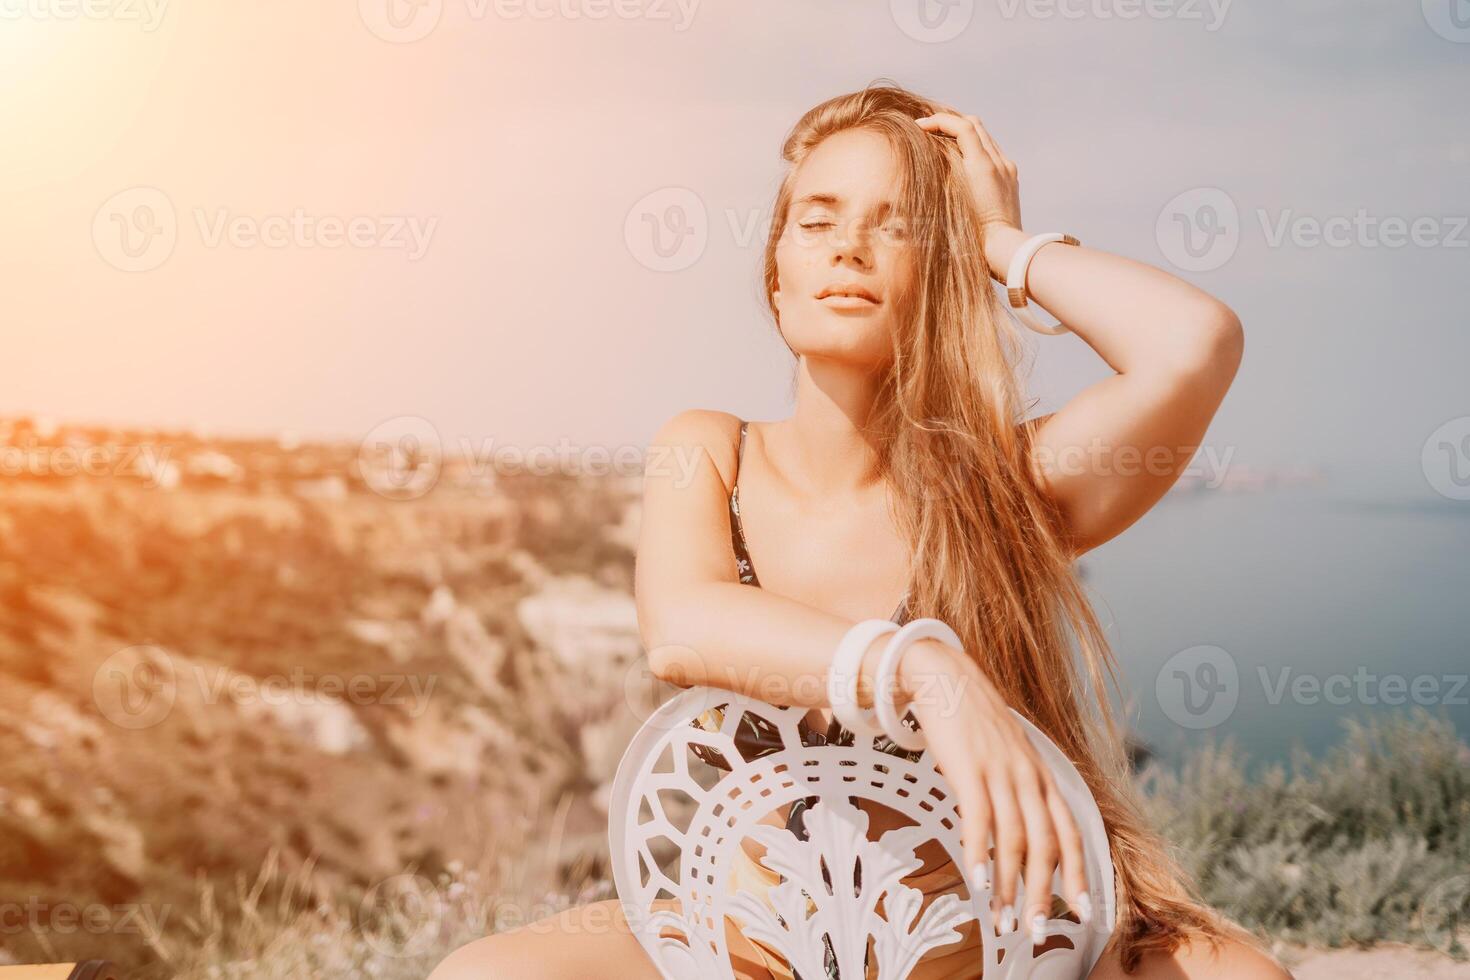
675 664
668 661
664 660
1227 333
1217 342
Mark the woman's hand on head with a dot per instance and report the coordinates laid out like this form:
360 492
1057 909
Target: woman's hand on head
1002 785
992 174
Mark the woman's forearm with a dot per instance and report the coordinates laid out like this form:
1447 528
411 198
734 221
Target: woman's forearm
732 636
1136 316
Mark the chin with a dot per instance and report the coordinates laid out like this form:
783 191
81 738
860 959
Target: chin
841 340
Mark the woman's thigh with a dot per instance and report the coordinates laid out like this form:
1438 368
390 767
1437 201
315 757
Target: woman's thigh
1234 960
591 940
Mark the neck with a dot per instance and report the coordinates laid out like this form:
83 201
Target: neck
822 449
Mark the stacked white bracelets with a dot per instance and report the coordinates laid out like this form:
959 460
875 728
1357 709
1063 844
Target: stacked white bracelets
842 678
847 664
1016 280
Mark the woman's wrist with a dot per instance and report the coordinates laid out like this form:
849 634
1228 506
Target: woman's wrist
1001 243
924 663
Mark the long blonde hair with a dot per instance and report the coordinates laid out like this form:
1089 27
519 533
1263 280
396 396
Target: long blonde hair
990 557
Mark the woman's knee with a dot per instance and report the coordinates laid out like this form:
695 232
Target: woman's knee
556 947
1229 959
481 959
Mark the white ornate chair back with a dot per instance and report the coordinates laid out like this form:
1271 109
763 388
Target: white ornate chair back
665 799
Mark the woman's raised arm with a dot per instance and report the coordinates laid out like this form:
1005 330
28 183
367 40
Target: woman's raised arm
1117 447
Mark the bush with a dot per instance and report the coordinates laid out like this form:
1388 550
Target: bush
1369 842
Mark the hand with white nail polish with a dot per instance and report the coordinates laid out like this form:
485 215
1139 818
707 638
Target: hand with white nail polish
1003 787
1038 929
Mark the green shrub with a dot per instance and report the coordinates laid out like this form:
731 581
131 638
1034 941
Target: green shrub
1369 842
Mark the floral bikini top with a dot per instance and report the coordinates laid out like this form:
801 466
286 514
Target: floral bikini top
755 737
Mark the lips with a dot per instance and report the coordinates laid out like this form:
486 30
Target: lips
848 289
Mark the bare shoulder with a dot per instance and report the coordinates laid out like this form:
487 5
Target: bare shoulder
696 430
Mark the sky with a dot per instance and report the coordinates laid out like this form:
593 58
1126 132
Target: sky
318 217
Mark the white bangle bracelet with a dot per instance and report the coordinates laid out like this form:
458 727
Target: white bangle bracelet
919 629
1016 281
842 678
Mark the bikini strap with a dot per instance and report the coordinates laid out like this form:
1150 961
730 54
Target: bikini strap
737 524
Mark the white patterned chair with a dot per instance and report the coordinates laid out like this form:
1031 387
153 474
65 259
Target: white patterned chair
665 796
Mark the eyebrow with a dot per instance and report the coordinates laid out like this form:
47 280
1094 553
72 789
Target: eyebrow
826 197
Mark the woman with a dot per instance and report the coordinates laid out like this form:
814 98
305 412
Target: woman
906 475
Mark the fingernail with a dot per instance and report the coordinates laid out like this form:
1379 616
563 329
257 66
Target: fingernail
1083 905
1038 929
981 873
1008 919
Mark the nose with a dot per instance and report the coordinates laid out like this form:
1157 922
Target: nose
850 246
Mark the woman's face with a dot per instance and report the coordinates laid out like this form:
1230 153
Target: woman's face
842 236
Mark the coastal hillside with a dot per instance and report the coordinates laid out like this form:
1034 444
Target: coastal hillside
216 653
